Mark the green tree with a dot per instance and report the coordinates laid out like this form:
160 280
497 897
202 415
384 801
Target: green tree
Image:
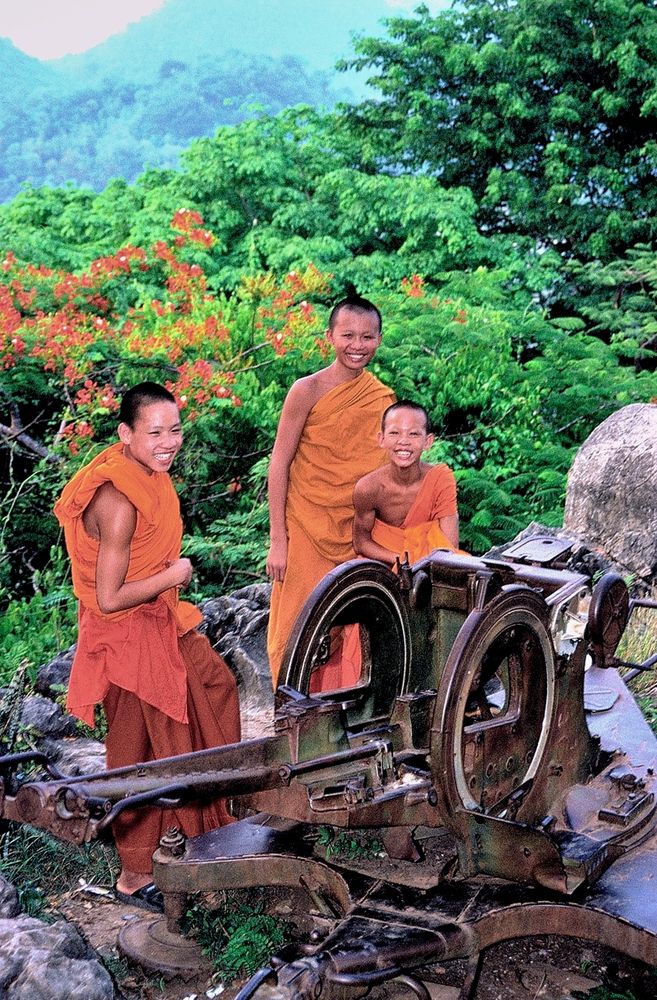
546 109
618 303
278 192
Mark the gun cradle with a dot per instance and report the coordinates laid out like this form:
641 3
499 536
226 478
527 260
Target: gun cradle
465 743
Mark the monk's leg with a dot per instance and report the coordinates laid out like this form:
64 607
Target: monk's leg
136 832
214 717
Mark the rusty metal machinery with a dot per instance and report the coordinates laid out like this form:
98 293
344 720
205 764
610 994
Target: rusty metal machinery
489 740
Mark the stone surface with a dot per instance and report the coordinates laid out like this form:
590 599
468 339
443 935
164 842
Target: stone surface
75 756
9 905
611 498
43 717
48 962
53 677
236 625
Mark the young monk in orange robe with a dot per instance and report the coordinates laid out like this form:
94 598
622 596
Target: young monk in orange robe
407 506
164 690
326 440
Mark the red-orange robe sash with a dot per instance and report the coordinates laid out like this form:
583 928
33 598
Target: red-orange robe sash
136 649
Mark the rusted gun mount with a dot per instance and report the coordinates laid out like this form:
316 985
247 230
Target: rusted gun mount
485 737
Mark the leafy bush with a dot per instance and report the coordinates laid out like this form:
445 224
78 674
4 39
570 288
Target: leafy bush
239 937
33 631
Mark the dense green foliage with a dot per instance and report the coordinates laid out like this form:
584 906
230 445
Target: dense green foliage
545 109
520 319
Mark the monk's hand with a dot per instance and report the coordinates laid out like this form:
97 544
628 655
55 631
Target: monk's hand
277 561
183 571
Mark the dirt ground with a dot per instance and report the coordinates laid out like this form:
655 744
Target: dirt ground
528 969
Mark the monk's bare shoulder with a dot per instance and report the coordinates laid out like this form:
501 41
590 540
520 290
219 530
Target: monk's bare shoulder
306 391
369 489
302 396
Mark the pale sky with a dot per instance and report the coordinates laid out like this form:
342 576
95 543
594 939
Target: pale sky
49 29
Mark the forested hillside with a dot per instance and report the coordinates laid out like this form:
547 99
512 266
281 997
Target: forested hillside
117 127
136 100
498 202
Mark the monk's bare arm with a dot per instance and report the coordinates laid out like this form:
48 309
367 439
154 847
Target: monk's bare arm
113 519
450 529
365 494
298 404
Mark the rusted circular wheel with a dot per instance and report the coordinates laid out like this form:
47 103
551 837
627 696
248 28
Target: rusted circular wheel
361 593
609 612
495 702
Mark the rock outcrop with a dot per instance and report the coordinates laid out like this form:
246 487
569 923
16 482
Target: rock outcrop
611 499
46 961
236 625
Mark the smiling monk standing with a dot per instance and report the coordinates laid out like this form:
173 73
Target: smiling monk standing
164 690
326 440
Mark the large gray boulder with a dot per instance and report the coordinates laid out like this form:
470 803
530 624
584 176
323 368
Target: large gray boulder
42 717
611 499
48 962
52 677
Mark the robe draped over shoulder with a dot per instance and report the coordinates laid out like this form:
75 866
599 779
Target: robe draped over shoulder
420 532
135 649
338 445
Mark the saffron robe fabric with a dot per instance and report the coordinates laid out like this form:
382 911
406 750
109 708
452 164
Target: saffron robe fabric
135 649
338 445
164 689
137 732
420 533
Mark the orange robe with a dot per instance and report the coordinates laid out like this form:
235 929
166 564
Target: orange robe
419 533
164 689
338 445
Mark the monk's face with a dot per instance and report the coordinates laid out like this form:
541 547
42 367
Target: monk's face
155 438
404 437
355 338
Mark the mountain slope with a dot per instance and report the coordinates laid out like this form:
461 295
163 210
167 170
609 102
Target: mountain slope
22 75
190 67
316 30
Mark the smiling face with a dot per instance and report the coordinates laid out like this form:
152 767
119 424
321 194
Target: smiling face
155 437
405 436
355 337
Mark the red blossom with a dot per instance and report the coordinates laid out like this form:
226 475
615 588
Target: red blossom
185 219
414 287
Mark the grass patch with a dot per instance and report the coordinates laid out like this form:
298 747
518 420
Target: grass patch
639 643
39 866
639 640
